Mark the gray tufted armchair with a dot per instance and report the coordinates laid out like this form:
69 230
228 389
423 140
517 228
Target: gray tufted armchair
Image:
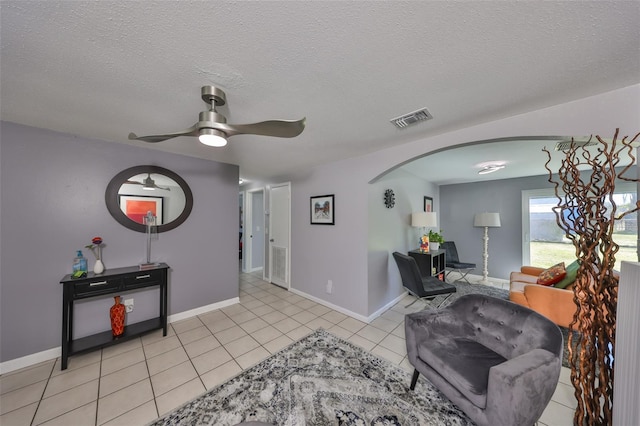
499 362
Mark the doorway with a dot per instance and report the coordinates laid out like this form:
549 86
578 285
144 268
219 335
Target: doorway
254 237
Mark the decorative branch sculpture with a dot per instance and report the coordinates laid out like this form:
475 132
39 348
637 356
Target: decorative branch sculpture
586 212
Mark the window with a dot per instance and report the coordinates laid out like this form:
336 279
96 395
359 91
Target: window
544 242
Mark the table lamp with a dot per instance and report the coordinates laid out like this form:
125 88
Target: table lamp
424 220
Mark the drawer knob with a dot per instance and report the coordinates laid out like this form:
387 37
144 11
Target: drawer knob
142 276
97 283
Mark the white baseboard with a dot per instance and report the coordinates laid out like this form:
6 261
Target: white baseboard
346 311
330 305
382 310
53 353
29 360
203 309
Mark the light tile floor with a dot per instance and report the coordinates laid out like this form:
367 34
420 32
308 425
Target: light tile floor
137 381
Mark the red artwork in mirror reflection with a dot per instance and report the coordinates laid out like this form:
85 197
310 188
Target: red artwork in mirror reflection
136 210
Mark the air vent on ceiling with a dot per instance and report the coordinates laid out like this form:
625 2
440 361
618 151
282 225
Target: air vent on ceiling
411 118
566 144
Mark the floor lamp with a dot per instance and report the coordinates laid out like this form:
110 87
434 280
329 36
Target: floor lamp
486 221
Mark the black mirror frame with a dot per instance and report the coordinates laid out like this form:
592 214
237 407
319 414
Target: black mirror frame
113 204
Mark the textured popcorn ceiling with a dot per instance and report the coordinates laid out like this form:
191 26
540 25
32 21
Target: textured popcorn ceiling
103 69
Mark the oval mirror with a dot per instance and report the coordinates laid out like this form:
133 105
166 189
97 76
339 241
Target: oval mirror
134 192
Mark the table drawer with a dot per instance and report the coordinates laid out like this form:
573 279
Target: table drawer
142 279
96 287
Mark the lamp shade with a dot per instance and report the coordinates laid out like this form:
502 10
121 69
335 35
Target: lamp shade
424 219
492 220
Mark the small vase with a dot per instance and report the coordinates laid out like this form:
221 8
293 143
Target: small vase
434 246
117 317
98 268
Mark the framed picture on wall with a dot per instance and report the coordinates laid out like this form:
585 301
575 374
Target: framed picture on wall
428 204
136 207
323 210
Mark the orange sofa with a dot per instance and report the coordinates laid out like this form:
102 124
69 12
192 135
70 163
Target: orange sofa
554 303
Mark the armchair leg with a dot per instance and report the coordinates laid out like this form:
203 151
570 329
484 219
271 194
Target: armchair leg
414 379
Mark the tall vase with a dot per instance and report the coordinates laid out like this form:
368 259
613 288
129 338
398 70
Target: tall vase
98 268
117 317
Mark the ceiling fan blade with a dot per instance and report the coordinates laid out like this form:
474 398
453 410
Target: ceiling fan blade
135 182
191 131
277 128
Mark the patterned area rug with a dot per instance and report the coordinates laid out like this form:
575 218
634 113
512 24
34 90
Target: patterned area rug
463 288
320 380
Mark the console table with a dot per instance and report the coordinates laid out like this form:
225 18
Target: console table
431 264
110 283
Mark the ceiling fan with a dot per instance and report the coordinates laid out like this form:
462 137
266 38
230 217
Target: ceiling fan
212 128
147 183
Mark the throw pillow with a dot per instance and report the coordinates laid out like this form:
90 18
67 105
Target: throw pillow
552 275
572 271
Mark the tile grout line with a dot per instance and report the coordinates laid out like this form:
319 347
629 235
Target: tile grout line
99 383
155 402
33 418
190 362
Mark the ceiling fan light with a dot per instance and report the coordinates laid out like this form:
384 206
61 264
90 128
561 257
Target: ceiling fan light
212 137
491 168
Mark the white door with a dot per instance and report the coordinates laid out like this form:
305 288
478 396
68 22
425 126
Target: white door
279 234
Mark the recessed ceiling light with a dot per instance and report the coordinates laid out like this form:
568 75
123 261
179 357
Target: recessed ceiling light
490 168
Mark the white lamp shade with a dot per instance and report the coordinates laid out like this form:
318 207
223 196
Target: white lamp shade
424 219
492 220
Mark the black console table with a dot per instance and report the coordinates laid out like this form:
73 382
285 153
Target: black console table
431 264
111 282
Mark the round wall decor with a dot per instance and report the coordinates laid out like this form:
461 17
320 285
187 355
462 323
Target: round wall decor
389 199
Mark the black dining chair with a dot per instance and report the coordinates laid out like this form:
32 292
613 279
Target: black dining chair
453 263
425 288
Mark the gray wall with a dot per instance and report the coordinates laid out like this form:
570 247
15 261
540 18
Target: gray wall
390 230
341 252
52 201
459 203
323 252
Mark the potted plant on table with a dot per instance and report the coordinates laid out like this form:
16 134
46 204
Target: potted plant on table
435 239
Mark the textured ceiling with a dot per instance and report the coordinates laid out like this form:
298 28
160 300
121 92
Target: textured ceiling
104 69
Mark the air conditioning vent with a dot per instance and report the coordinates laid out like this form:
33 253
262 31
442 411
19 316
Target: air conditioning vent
279 273
566 144
411 118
